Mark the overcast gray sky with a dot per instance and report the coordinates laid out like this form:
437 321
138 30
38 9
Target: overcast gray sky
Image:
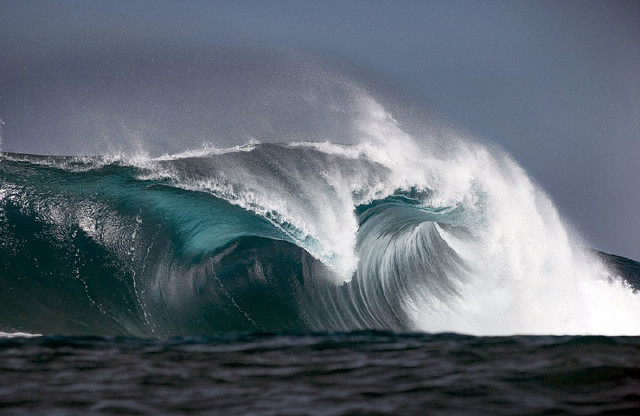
555 83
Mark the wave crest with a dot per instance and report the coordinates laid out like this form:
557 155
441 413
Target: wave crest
384 234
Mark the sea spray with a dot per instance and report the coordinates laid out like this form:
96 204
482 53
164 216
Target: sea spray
393 232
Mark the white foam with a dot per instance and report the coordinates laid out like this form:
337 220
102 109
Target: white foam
526 275
18 335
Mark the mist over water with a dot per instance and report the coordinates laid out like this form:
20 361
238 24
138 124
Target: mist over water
156 101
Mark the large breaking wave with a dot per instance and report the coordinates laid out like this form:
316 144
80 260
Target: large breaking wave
385 233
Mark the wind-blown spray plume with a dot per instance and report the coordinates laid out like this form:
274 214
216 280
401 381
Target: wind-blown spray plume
383 228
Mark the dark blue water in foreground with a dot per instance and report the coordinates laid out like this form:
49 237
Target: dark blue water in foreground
367 373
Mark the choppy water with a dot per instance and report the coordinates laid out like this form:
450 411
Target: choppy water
368 373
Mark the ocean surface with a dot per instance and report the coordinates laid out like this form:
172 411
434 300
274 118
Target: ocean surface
380 277
358 373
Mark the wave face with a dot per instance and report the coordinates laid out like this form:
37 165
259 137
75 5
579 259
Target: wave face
382 234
